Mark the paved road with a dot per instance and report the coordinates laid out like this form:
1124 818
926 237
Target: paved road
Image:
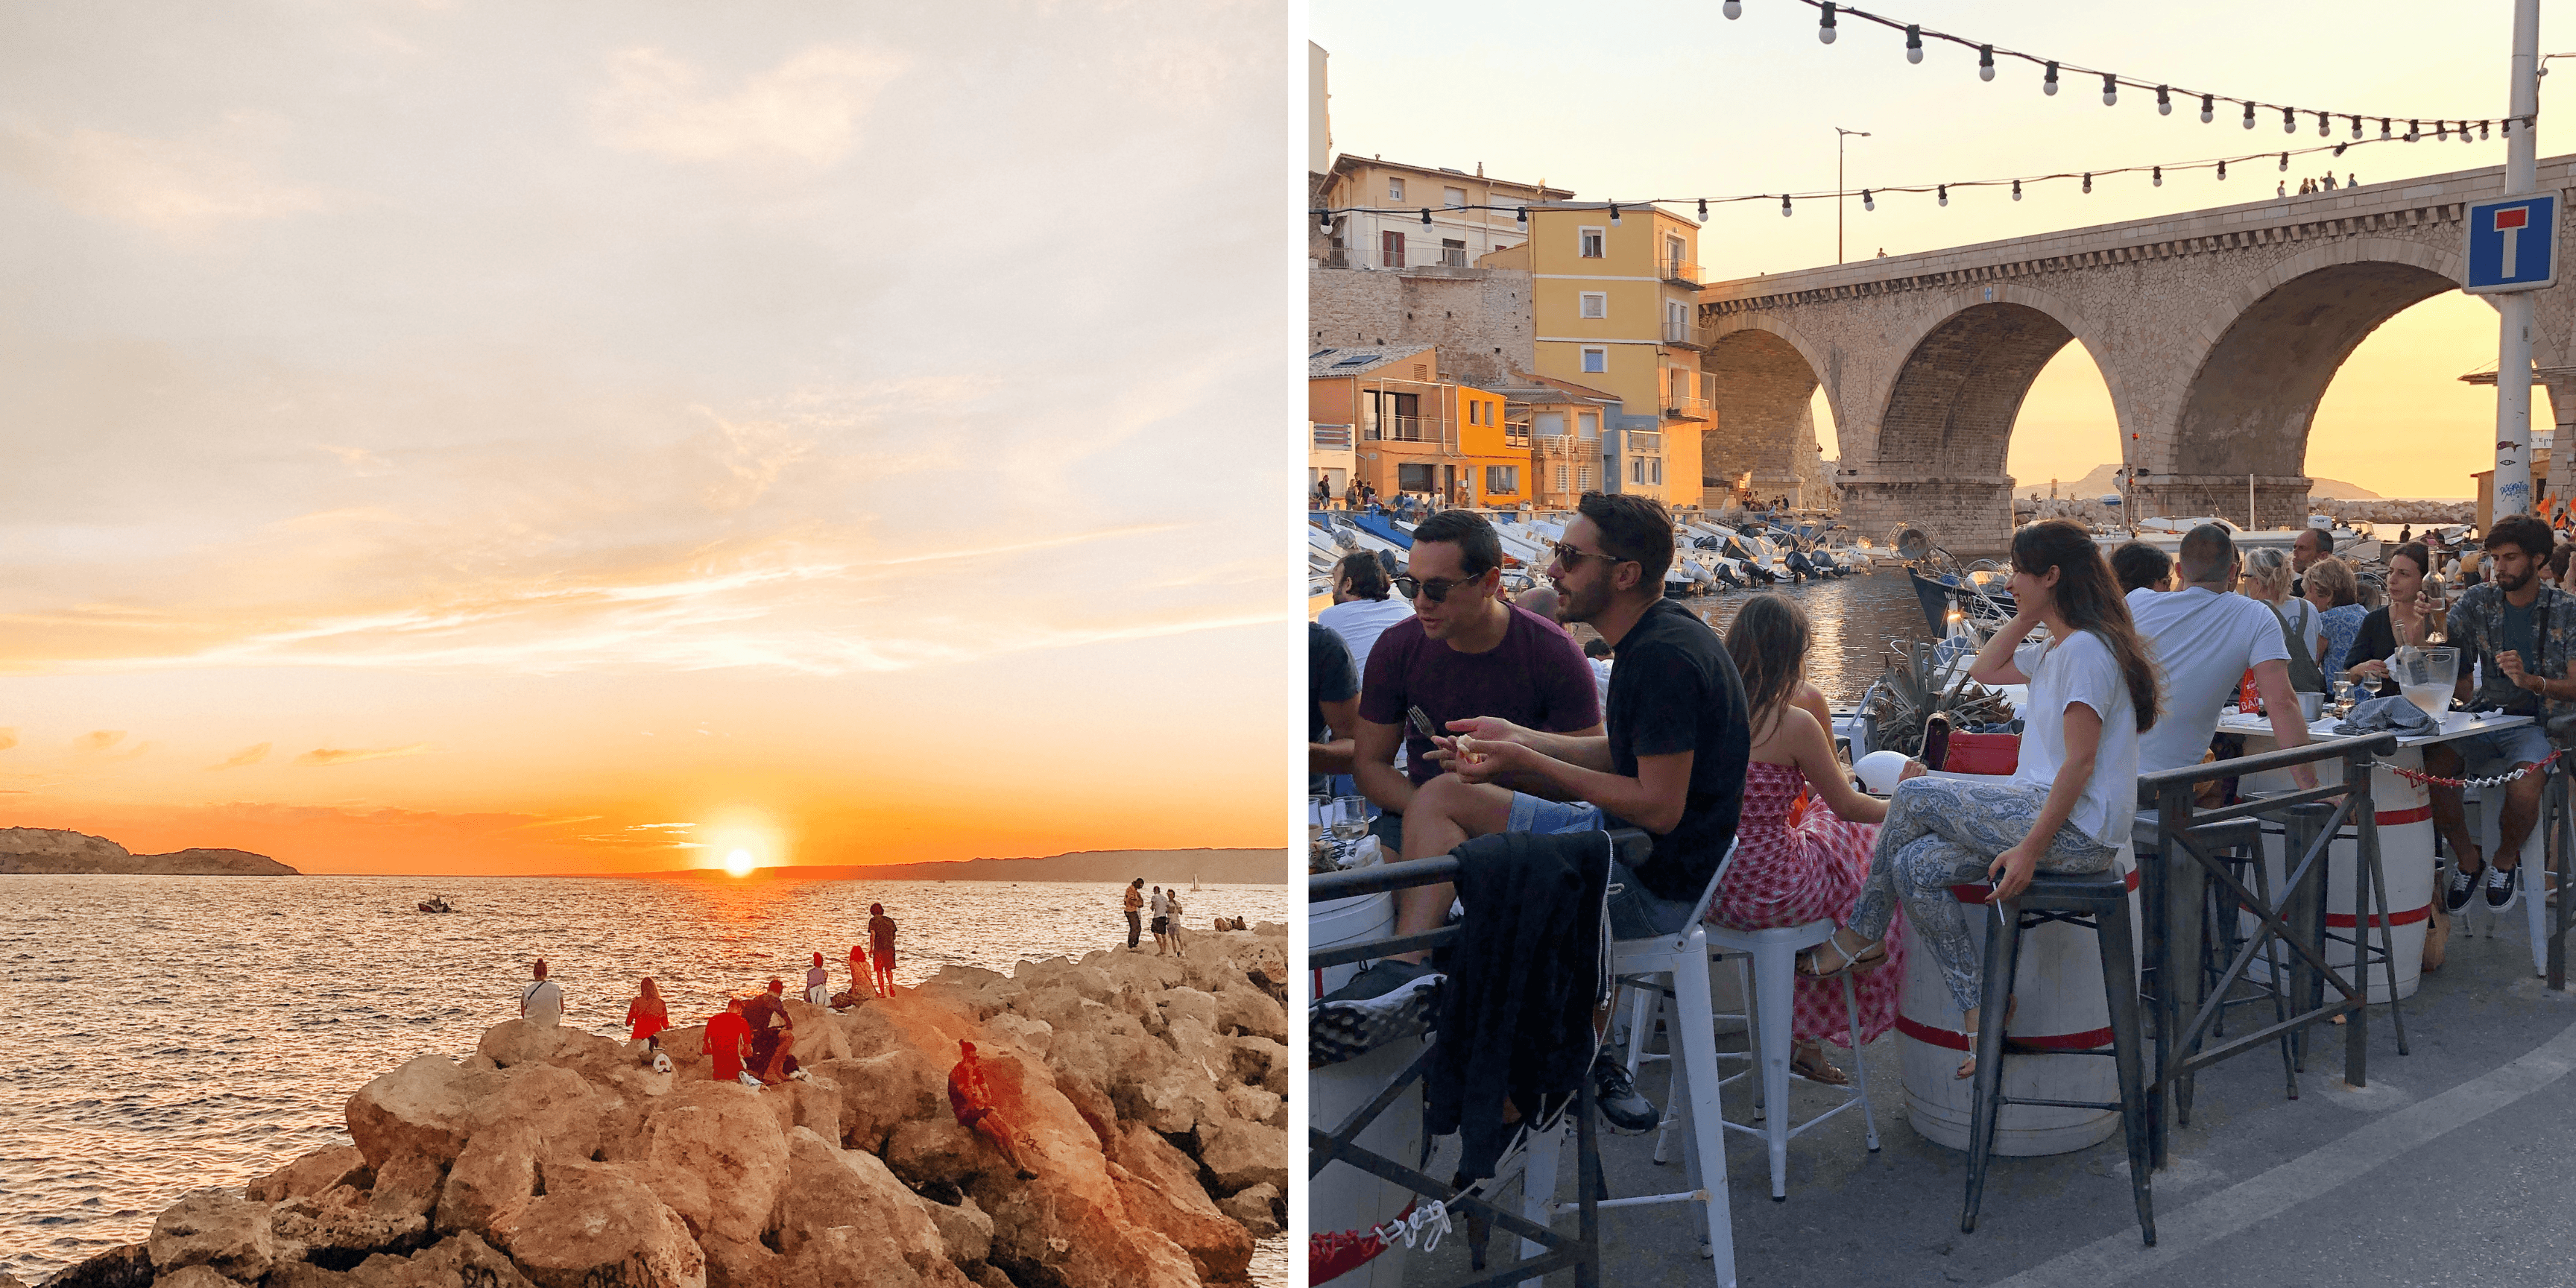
2443 1171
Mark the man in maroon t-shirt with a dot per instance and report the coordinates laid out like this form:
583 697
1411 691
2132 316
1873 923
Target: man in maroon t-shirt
972 1101
1464 653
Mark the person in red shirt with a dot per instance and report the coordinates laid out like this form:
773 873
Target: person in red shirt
728 1040
972 1102
646 1017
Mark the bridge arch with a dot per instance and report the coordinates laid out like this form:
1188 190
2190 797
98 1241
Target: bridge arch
1763 375
2266 361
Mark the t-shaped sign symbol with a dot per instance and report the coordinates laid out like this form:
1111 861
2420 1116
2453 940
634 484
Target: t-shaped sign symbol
2510 222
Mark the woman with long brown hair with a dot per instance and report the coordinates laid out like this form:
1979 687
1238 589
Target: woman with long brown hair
2068 804
1796 865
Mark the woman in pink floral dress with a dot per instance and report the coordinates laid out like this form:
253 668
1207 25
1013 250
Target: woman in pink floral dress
1801 856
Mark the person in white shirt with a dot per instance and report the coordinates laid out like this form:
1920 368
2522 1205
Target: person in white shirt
1362 607
2203 640
2068 804
541 1003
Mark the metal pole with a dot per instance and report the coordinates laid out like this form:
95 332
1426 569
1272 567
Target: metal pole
2513 351
1840 134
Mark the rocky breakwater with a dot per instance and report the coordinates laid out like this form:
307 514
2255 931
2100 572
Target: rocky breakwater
1153 1090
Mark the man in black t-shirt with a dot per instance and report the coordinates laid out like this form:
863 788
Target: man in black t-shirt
1670 761
1332 706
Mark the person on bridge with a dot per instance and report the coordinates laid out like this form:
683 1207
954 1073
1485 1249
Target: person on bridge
2068 804
2203 640
2521 633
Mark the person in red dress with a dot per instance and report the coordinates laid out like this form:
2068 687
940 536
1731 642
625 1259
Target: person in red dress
972 1102
646 1016
1799 861
727 1041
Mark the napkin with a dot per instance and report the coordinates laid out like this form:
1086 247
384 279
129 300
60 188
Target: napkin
2395 714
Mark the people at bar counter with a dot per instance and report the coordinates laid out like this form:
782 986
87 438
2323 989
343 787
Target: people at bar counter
2267 577
2202 641
2336 593
2068 804
2398 622
2519 632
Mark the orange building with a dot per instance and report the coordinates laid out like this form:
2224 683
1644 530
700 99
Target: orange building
1416 431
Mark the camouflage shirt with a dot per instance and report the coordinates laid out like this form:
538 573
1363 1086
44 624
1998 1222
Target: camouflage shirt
2477 629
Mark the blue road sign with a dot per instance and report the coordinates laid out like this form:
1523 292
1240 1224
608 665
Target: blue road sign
2512 244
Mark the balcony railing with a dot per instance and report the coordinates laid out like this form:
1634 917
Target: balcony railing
1516 433
1409 429
1338 257
1680 272
1685 407
1645 442
1685 334
1453 257
1333 438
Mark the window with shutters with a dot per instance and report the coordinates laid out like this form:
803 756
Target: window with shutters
1589 242
1394 188
1596 304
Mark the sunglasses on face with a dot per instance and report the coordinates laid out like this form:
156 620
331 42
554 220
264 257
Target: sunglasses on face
1435 589
1572 557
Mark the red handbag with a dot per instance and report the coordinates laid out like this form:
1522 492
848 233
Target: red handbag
1997 754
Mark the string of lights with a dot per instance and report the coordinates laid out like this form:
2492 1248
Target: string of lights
1869 196
1916 33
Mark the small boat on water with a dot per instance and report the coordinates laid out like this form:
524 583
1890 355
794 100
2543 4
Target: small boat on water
435 903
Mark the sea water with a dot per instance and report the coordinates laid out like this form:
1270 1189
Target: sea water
158 1034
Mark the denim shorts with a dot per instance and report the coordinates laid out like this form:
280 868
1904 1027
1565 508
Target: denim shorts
1635 911
2503 749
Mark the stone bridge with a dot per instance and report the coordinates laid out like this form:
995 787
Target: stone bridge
2216 331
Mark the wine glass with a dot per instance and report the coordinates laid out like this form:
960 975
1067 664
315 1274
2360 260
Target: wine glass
1348 820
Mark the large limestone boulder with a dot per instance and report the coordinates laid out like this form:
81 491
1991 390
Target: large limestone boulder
407 1185
595 1218
319 1172
882 1091
195 1277
1161 1188
496 1172
1242 1008
1259 1062
688 1063
318 1229
811 1101
215 1228
935 1151
817 1037
965 1229
1241 1155
728 1138
550 1102
461 1260
127 1265
515 1042
418 1108
829 1187
1257 1208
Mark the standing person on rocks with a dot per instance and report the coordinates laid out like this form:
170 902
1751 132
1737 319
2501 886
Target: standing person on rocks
818 983
881 948
1172 911
1162 921
1133 901
773 1034
541 1003
972 1102
646 1017
727 1041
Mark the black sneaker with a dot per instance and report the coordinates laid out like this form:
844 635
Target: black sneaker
1618 1098
2501 886
1389 1000
2456 894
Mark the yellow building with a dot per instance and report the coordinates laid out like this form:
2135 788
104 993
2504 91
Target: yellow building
1413 430
1612 304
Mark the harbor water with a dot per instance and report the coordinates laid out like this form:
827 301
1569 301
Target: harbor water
1853 617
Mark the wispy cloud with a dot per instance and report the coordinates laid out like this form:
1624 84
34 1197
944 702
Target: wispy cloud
808 108
8 738
343 756
97 740
173 186
250 755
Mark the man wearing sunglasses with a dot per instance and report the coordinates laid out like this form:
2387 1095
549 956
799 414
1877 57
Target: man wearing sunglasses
1465 652
1670 759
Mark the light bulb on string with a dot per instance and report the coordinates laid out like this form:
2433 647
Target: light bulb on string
1825 32
1325 218
2441 131
1521 216
2164 101
2088 182
2285 163
1985 62
2356 126
2464 133
2289 120
1426 216
1913 42
1945 196
2016 189
2249 116
2414 130
2322 125
2482 131
2208 108
1865 202
2340 147
1733 8
1784 205
2160 176
2049 86
1703 210
2222 171
2110 89
2383 127
1614 214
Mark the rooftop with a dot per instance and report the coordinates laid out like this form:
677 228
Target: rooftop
1357 359
1346 162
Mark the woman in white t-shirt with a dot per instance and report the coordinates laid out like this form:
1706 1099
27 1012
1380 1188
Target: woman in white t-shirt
2066 807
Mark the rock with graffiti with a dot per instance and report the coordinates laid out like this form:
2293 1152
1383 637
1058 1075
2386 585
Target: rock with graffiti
1145 1094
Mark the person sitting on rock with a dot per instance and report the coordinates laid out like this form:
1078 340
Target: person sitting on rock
541 1003
973 1103
860 988
818 983
773 1034
727 1040
646 1017
881 948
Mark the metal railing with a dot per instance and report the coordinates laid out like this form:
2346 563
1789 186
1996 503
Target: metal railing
1680 272
1684 334
1410 429
1516 433
1685 407
1333 438
1644 441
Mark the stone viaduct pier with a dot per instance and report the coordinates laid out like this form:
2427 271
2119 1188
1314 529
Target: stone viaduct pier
2217 332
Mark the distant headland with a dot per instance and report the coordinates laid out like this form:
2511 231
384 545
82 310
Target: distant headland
1161 867
43 851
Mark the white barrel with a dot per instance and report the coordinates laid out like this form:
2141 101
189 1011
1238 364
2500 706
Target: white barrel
2404 811
1343 1197
2062 1006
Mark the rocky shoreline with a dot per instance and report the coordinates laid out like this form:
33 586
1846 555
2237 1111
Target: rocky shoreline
45 851
1152 1087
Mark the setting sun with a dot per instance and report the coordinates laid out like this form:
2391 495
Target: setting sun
738 863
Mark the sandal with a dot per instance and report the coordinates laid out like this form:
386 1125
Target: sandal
1812 1065
1968 1067
1809 966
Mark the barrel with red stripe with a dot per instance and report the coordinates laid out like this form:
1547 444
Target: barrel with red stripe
2404 811
2061 1009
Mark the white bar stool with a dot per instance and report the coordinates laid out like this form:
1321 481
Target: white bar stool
2532 892
1682 957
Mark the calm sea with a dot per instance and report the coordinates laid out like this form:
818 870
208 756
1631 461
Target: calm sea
163 1033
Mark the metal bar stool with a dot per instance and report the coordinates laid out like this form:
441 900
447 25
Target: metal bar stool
2237 845
2100 903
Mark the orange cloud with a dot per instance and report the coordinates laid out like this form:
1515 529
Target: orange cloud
246 756
339 756
98 740
8 738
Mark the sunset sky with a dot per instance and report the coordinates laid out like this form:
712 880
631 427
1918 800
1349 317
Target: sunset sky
474 437
1672 99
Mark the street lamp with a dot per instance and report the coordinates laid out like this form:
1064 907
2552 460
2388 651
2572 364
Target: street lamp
1840 134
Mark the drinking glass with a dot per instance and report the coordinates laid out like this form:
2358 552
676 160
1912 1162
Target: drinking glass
1349 820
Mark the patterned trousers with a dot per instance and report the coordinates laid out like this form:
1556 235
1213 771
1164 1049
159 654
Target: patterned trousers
1942 832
